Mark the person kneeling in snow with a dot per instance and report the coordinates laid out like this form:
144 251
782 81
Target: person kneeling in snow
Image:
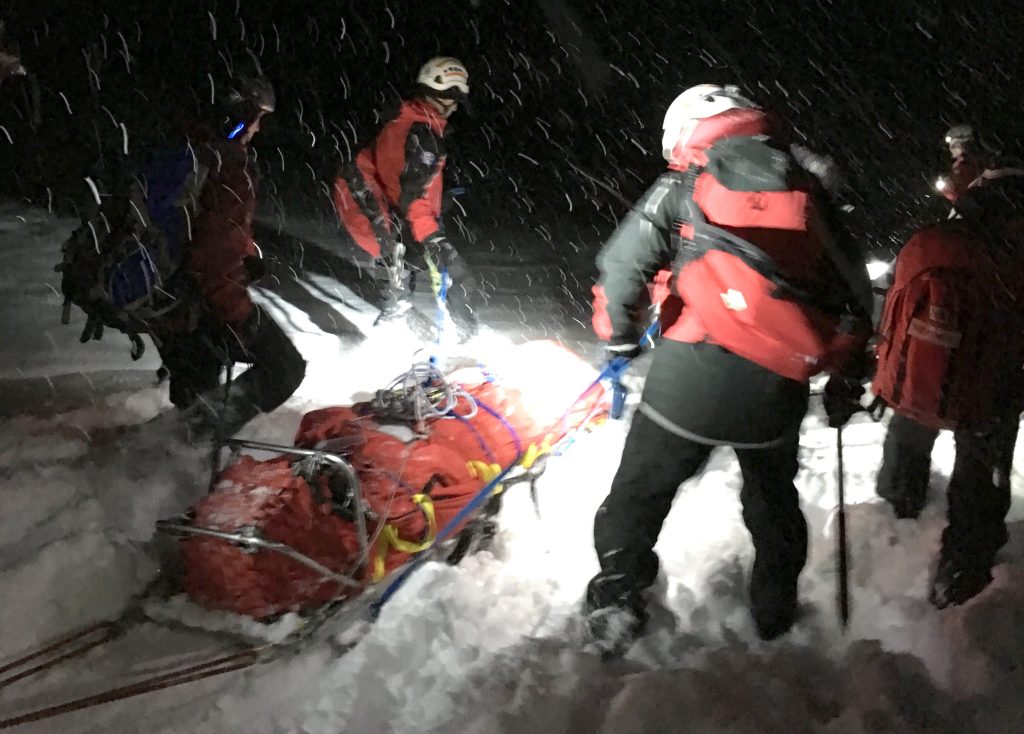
950 357
221 259
392 192
771 295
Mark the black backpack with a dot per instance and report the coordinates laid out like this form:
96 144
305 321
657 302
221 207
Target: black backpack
123 265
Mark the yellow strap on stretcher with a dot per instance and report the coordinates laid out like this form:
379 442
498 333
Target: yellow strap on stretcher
486 472
481 470
391 539
534 452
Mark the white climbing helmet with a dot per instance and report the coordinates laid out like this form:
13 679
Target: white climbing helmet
444 77
692 106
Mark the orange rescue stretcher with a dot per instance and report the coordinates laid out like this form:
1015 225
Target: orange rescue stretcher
366 488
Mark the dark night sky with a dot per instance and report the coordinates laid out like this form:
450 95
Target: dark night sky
873 84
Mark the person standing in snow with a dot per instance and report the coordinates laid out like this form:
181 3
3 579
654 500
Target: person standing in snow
391 195
733 186
968 161
222 325
955 362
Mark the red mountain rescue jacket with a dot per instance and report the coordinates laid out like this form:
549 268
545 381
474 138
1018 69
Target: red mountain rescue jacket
396 177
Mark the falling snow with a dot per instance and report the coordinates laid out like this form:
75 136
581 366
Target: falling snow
561 135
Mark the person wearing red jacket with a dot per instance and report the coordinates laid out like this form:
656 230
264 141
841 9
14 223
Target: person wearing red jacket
730 174
967 378
390 196
224 326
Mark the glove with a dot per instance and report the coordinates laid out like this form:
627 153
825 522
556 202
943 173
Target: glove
619 349
439 251
841 399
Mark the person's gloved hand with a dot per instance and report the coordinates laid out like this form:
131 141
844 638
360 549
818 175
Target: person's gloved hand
439 251
841 399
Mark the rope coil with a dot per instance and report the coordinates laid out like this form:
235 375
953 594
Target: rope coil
420 394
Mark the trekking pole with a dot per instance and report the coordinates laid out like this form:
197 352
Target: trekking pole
844 570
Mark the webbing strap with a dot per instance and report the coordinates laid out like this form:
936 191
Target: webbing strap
391 538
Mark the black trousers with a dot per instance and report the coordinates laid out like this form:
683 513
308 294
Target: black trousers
654 463
979 486
195 360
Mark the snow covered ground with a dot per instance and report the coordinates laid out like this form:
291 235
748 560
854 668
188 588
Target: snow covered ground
491 645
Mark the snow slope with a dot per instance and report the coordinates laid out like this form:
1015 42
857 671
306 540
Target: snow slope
493 644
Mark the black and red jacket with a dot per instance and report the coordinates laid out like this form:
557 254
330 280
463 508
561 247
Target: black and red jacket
697 386
398 175
788 225
951 337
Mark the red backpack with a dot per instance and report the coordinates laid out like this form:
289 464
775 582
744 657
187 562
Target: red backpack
950 333
740 296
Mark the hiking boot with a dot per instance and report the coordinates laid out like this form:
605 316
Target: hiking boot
906 508
957 581
614 614
774 620
611 631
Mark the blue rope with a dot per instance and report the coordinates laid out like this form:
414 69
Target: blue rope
508 426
